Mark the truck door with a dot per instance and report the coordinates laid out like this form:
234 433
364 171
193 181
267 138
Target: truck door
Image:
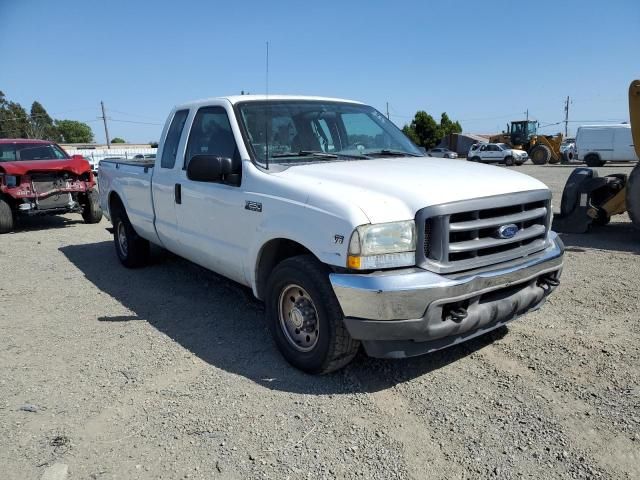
165 178
211 215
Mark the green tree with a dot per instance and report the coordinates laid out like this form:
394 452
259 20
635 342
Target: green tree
118 140
3 114
425 132
41 124
72 131
448 126
15 121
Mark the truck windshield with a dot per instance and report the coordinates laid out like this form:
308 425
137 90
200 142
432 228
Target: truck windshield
290 132
15 152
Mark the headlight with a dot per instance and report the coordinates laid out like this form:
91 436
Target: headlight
383 245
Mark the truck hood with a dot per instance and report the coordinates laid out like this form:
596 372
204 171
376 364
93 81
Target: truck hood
77 166
392 189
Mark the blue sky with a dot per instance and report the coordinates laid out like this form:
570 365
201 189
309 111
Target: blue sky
483 62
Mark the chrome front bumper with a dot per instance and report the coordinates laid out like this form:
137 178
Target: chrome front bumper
405 312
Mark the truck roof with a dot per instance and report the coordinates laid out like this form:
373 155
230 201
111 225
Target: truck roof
233 99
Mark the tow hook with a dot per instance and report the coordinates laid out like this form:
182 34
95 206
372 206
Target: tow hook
455 313
548 282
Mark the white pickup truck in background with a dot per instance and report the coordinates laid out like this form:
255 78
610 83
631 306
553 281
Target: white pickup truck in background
339 224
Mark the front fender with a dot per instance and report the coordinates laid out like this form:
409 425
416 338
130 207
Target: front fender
326 237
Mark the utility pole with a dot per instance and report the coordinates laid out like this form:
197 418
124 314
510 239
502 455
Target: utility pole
527 113
566 117
104 119
388 118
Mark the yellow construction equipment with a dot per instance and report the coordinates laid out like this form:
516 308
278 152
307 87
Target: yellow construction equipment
588 198
633 183
523 135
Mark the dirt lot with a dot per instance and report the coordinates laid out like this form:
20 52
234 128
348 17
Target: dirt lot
169 372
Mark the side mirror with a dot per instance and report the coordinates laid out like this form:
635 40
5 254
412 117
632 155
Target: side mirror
210 168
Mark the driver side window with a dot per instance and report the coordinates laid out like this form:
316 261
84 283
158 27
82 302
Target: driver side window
211 134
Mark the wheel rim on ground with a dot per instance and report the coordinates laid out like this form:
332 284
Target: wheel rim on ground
298 318
122 239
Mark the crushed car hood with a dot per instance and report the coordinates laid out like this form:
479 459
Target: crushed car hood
77 166
391 189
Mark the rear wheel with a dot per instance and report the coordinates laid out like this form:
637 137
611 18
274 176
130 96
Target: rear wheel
305 318
132 250
540 154
91 211
6 217
593 161
633 196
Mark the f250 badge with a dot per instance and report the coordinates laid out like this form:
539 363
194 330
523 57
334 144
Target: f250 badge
253 206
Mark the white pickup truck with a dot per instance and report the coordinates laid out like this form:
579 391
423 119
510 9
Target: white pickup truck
339 224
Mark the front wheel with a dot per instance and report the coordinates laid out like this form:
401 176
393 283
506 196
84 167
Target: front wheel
305 318
474 159
540 154
6 217
91 211
132 250
508 161
593 161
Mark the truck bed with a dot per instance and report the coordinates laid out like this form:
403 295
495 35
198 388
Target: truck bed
131 180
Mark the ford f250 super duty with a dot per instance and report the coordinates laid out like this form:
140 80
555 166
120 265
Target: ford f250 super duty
339 224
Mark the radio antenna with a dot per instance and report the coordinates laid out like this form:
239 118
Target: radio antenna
268 116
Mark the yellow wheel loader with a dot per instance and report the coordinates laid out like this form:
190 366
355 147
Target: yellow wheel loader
523 135
588 198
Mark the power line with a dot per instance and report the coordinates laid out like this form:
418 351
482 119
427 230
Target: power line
132 114
133 121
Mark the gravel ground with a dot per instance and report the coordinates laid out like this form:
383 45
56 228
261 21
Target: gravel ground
170 372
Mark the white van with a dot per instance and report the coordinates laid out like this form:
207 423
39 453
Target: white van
598 144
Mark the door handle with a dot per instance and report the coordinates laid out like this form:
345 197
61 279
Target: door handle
177 193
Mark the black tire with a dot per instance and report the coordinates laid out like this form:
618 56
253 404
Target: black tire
593 160
7 219
633 196
474 159
508 161
333 348
567 156
91 211
132 250
540 154
602 220
519 164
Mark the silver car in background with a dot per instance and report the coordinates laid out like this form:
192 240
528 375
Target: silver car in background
442 153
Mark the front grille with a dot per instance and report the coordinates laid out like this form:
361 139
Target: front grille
47 186
464 235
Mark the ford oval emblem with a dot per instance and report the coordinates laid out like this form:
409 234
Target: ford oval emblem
507 231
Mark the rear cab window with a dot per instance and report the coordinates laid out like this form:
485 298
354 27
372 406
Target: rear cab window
170 148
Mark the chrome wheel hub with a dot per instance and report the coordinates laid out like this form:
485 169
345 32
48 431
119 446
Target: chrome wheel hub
122 239
298 318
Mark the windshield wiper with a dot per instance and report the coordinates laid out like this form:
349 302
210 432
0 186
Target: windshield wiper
304 153
392 153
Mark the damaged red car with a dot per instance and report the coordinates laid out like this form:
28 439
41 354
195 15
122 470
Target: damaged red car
38 177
